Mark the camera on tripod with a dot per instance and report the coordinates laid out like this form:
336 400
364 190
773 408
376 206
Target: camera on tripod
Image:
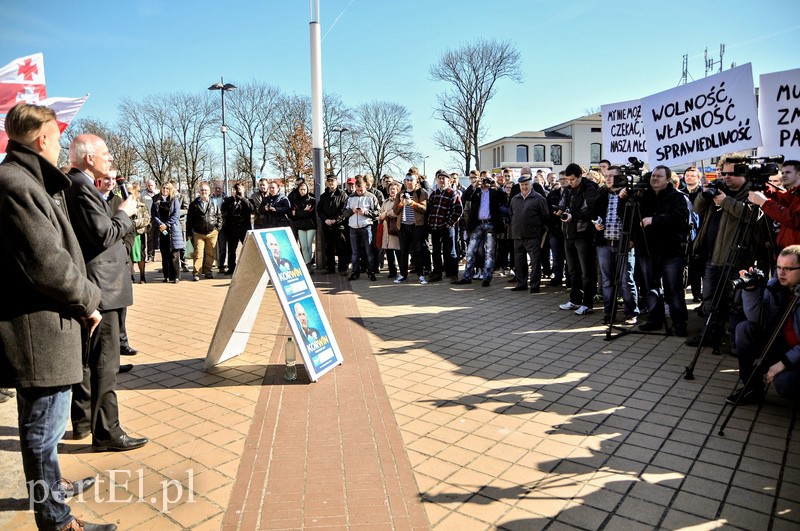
750 279
631 177
757 170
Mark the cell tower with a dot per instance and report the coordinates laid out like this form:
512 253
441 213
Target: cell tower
711 63
685 71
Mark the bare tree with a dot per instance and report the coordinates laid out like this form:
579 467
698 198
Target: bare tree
191 118
472 70
147 126
383 131
252 121
125 158
292 151
337 122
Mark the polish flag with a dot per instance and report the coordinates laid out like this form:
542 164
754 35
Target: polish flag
65 108
22 80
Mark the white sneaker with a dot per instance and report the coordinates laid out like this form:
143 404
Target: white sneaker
478 276
422 280
583 310
400 279
568 306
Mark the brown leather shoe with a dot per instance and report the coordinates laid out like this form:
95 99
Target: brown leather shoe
78 525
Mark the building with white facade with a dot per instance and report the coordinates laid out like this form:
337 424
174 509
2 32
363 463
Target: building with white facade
578 140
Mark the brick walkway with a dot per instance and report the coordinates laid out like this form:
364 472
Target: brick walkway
463 408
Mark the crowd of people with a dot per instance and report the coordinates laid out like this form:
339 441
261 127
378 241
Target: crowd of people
71 241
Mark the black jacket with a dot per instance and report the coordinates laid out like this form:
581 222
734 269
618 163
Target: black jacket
331 206
236 216
580 203
45 289
100 232
667 235
497 198
202 219
267 219
303 219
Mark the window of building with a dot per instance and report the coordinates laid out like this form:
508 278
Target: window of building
595 153
538 153
555 154
597 130
522 153
502 155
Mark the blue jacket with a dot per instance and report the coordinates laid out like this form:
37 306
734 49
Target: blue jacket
172 219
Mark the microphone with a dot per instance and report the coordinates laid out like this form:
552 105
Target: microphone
122 188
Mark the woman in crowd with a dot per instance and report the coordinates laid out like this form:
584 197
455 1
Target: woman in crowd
141 224
166 215
390 240
304 221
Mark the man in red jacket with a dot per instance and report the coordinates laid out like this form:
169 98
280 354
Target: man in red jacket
783 206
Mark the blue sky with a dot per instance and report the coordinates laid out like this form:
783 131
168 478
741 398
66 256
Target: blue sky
576 55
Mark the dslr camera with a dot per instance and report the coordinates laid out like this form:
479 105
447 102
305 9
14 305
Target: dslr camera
713 190
750 279
757 170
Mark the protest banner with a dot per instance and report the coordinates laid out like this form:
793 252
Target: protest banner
779 114
623 131
703 119
273 254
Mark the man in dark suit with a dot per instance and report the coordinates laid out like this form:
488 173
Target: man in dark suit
46 300
100 231
483 224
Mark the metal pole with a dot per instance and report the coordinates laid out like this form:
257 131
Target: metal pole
224 146
317 142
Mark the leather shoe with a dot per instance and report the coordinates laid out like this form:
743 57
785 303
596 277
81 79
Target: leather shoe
127 350
535 290
121 444
519 288
125 368
354 276
80 525
463 281
75 488
79 434
486 283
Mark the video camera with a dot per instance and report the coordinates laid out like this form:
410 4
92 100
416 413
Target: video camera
757 170
631 177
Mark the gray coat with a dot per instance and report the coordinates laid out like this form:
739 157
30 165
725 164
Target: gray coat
45 289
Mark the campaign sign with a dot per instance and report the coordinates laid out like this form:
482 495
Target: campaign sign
623 131
707 118
299 300
779 114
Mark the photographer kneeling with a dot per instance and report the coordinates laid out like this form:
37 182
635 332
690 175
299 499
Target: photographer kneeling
767 306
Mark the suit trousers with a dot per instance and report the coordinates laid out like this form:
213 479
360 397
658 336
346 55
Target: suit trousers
94 400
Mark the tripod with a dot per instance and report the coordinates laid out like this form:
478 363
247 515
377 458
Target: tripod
757 363
743 226
630 215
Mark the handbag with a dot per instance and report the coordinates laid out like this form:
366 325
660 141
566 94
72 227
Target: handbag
394 229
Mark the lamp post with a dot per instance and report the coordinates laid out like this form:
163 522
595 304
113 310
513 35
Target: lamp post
341 158
223 87
423 165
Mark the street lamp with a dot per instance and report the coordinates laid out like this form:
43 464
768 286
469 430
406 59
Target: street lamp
341 158
423 165
223 87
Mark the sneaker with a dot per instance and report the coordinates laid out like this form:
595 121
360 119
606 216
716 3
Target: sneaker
422 280
196 278
632 320
400 279
650 327
479 276
747 398
569 305
583 310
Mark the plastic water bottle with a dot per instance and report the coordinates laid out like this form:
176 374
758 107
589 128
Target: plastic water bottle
291 358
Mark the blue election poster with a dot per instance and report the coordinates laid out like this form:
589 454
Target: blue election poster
299 300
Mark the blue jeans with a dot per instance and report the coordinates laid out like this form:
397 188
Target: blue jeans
42 414
607 257
361 242
483 235
444 243
670 272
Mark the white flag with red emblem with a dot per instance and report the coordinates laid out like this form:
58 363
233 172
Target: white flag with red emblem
65 108
22 80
